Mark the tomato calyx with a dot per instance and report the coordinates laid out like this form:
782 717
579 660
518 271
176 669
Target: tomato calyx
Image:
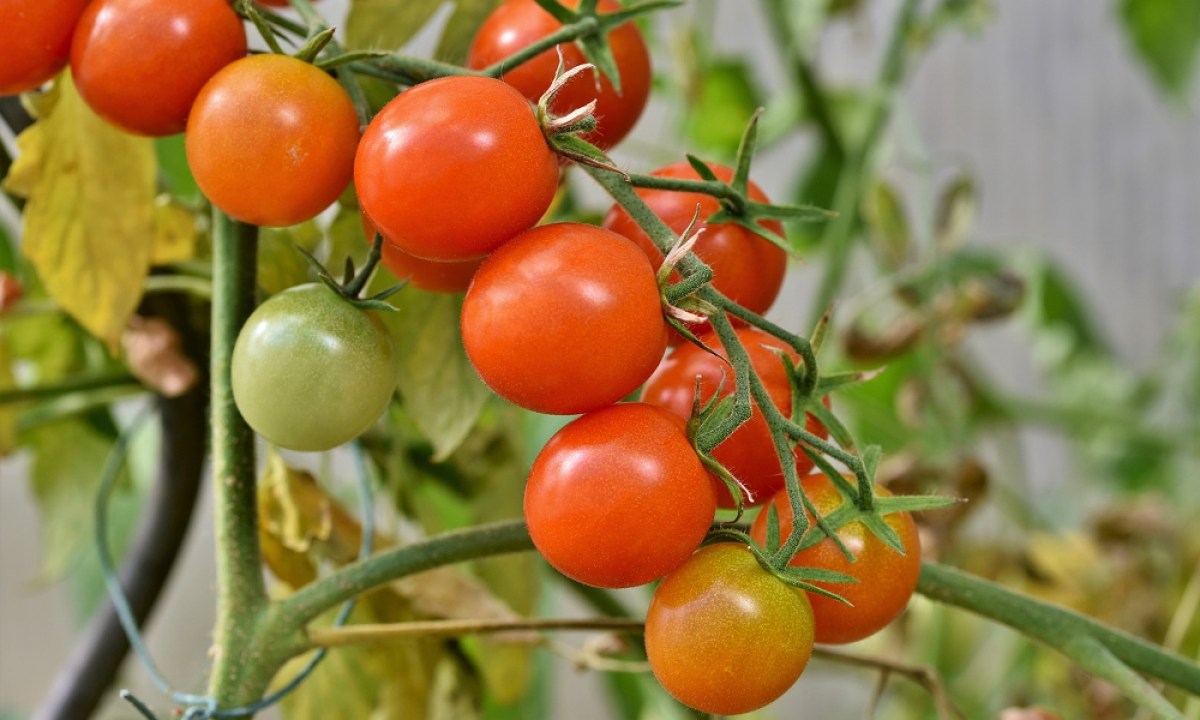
802 578
562 132
354 281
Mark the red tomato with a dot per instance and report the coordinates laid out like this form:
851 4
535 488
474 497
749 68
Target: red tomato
516 24
140 63
36 39
453 168
618 497
271 140
747 268
564 319
725 636
749 453
886 578
425 274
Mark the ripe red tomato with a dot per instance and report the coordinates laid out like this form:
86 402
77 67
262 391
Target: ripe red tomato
886 578
453 168
725 636
618 497
140 63
516 24
564 319
747 268
425 274
271 140
749 453
36 37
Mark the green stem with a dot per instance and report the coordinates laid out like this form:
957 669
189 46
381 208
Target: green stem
67 387
851 185
1055 626
241 596
353 580
715 188
567 33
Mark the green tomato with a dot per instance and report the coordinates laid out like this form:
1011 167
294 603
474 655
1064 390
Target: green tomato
312 371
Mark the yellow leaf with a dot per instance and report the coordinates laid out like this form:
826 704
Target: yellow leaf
8 412
89 219
174 233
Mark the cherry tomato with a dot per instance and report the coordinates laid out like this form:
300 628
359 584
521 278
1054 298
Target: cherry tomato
425 274
887 579
140 63
36 39
564 319
453 168
271 140
749 453
516 24
725 636
747 268
312 371
618 497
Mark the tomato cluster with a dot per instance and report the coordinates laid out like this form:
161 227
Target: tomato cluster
454 175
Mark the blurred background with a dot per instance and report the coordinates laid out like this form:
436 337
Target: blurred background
1071 167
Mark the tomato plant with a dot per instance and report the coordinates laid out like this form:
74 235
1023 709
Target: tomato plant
425 274
36 37
564 319
747 268
312 371
453 168
271 140
749 453
886 578
618 497
140 63
725 636
516 24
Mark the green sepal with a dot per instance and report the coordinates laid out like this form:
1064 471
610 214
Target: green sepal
883 531
702 169
913 503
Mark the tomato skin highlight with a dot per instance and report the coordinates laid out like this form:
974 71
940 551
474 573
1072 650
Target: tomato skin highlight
141 63
886 579
725 636
747 269
516 24
271 140
36 37
453 168
749 453
618 497
311 371
564 319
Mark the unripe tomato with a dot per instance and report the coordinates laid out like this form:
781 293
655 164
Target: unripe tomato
140 63
886 579
271 140
619 497
747 268
452 168
312 371
36 39
564 318
516 24
749 453
725 636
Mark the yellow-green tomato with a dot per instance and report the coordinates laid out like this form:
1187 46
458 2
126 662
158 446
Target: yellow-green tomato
312 371
725 636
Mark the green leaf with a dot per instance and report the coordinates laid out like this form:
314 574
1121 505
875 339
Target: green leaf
347 239
386 24
174 169
64 485
726 98
440 387
884 212
1165 34
1060 315
280 266
956 213
461 28
89 220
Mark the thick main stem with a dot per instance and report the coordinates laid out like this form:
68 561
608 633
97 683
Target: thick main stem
241 595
